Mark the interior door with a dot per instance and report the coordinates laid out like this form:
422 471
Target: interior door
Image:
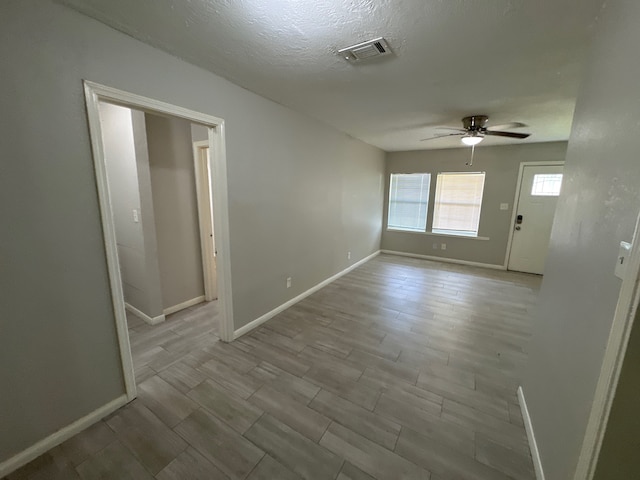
205 217
539 189
213 274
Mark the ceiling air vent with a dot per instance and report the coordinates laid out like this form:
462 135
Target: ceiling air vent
366 50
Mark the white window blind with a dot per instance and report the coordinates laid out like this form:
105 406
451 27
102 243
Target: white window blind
408 201
458 203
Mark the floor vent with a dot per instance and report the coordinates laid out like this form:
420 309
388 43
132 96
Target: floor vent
377 47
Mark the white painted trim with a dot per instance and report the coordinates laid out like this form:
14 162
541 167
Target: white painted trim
183 305
614 354
444 259
94 93
109 233
56 438
516 201
143 316
533 445
434 234
218 155
203 195
260 320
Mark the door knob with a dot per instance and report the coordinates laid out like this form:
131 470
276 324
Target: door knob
518 227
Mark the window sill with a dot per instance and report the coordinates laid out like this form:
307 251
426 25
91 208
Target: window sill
433 234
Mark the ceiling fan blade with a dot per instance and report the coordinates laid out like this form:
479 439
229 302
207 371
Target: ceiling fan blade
506 126
442 136
451 128
507 134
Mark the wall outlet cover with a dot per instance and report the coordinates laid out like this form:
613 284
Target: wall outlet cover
504 206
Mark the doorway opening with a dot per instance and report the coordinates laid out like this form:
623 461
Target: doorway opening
162 196
537 192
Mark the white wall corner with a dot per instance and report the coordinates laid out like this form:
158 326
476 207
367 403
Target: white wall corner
183 305
533 445
143 316
260 320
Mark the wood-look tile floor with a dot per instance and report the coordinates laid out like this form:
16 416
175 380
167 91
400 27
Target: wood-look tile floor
402 369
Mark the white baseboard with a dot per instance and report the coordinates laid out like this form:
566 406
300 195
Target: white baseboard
528 426
446 260
260 320
183 305
140 314
60 436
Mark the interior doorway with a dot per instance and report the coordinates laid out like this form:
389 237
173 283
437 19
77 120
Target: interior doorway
537 194
217 213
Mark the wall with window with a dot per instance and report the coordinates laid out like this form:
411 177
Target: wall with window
487 245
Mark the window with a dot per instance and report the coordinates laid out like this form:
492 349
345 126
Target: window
408 201
457 204
546 184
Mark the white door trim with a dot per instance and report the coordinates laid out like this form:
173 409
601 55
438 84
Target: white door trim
205 214
94 93
612 363
516 200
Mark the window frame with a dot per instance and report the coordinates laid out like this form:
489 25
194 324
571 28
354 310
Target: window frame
543 193
454 232
426 203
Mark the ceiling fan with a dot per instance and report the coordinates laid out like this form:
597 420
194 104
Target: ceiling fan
474 130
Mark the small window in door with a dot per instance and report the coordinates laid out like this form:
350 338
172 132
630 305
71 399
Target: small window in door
546 185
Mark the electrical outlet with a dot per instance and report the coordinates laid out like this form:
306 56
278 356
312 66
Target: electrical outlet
348 255
504 206
435 246
136 219
443 246
288 282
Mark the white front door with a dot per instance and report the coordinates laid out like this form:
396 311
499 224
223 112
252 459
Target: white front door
536 206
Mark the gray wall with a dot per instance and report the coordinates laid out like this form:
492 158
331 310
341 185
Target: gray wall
199 133
138 266
619 459
597 209
153 286
501 165
301 195
175 206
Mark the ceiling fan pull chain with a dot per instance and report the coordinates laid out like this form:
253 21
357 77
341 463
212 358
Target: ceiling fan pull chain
473 150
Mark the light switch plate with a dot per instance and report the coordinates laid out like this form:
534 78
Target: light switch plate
504 206
623 259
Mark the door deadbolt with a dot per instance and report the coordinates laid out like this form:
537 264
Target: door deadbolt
519 219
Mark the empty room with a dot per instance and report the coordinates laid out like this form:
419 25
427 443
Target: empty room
336 239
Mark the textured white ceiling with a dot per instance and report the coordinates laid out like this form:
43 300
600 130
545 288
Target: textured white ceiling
514 60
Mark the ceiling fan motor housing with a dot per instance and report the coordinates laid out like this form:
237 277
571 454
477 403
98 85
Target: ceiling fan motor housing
475 123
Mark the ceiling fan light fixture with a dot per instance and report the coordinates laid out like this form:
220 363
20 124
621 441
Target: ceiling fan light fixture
472 139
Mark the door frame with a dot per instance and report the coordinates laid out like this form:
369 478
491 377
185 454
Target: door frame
516 201
625 314
94 93
202 169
